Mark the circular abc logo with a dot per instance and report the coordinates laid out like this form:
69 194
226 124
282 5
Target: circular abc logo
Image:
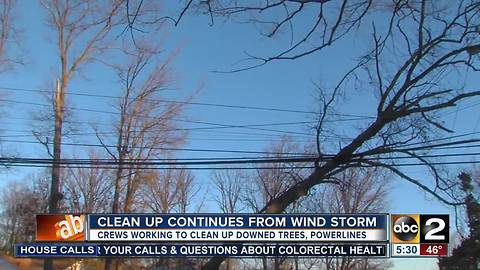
405 228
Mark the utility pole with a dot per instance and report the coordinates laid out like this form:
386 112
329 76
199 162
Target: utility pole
55 194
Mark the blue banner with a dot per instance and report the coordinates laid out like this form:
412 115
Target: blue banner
236 221
56 250
203 250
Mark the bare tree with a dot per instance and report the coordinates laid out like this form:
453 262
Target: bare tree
266 184
10 52
409 68
261 185
167 191
159 192
328 21
145 125
88 190
12 225
145 128
20 202
81 28
357 190
408 99
9 35
239 190
186 191
229 185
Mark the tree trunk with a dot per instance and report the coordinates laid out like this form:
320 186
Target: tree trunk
213 263
55 195
116 193
279 204
115 205
277 263
129 193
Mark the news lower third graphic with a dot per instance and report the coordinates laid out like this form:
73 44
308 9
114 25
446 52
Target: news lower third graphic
238 235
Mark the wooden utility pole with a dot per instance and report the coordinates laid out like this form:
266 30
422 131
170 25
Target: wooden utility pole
55 194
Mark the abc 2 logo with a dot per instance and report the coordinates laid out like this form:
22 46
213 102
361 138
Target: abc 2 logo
419 229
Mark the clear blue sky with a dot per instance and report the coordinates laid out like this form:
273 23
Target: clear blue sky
286 84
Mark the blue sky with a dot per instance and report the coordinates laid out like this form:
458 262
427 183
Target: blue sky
284 84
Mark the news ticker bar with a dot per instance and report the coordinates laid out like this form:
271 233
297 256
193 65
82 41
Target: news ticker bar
213 228
195 250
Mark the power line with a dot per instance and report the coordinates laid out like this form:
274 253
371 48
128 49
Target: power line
207 161
213 130
303 158
446 145
456 144
467 106
159 168
441 139
233 168
195 129
249 107
158 163
158 148
190 139
218 125
271 137
231 161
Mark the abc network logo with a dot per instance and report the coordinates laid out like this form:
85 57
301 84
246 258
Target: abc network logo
405 228
420 229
